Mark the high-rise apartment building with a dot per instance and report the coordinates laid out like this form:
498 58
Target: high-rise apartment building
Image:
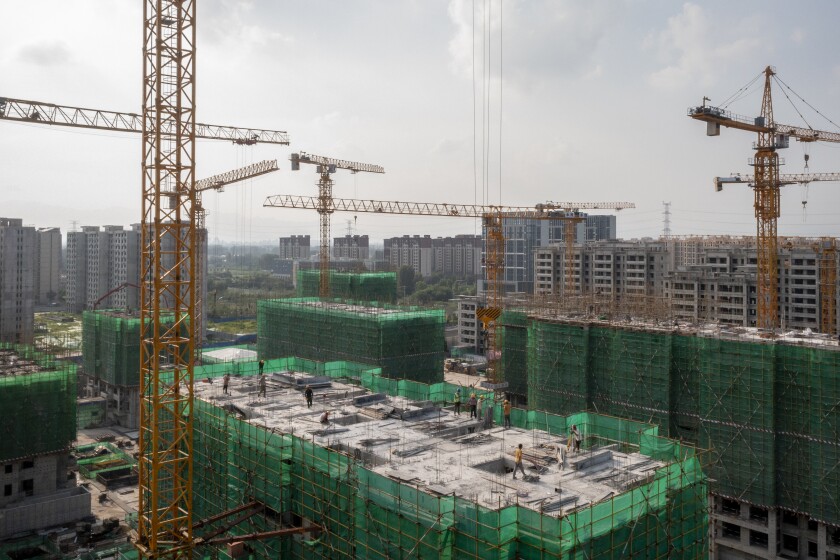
458 256
98 260
524 235
634 268
295 247
17 281
414 251
48 267
351 247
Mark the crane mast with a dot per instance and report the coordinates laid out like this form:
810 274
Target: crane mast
168 272
767 198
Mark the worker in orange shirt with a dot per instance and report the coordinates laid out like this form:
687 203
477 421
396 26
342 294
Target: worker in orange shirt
506 411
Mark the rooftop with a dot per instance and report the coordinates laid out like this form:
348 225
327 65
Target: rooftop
420 443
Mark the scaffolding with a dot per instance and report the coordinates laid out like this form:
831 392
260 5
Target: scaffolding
767 409
359 286
111 346
38 403
355 510
406 342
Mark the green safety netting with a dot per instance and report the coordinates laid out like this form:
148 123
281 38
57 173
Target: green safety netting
407 343
359 286
114 459
111 346
767 410
369 515
38 408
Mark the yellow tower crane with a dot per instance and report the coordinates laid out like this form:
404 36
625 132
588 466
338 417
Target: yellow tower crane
772 136
494 257
326 167
171 212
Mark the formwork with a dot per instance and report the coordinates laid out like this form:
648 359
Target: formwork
111 346
359 286
38 403
766 409
371 515
407 343
106 463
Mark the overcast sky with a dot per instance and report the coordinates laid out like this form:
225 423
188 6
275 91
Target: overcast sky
581 101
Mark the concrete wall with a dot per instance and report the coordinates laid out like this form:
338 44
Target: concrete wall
59 508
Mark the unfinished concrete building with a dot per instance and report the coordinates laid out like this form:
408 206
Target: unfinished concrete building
702 279
111 360
37 428
767 408
396 473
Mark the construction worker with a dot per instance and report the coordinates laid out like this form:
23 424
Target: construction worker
517 461
457 401
225 383
308 394
325 417
574 438
261 386
506 412
473 404
261 365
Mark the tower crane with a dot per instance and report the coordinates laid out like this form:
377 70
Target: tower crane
492 218
826 248
772 136
326 167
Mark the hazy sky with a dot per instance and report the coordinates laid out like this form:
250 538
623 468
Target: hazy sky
587 102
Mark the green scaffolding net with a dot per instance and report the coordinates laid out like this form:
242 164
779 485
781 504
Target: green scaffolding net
366 514
359 286
38 403
407 343
111 346
767 410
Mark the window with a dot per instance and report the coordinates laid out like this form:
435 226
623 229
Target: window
812 549
790 543
757 538
731 531
28 464
7 490
27 486
9 468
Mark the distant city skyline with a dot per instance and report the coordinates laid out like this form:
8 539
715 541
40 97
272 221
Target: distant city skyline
579 101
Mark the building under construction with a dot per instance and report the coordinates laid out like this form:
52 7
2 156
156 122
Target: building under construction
396 472
111 360
37 428
766 407
406 342
359 286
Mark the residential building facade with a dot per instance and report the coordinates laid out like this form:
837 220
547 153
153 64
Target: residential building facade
17 281
355 247
295 247
48 267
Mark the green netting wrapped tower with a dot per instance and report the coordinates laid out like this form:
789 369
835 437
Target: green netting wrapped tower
111 346
767 409
358 286
38 403
407 343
